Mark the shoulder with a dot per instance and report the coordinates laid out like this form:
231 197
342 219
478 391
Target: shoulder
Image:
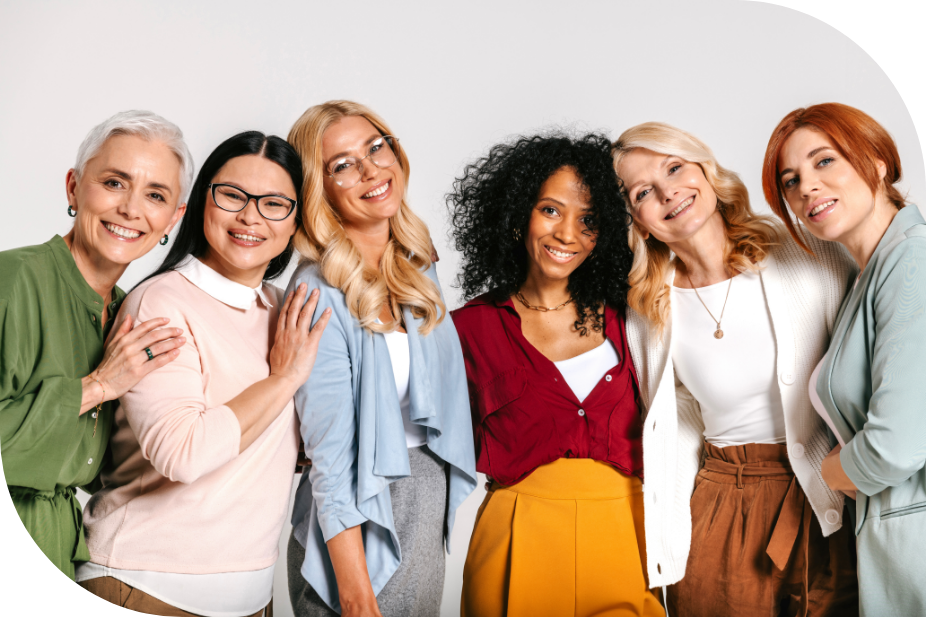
22 269
475 309
168 291
309 272
827 257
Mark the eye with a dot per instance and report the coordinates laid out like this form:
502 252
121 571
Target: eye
790 182
641 195
157 197
377 146
674 168
825 162
550 210
232 195
116 184
275 204
342 166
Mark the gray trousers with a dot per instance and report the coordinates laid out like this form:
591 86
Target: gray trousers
419 507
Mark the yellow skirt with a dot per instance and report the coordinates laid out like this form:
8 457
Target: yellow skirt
567 540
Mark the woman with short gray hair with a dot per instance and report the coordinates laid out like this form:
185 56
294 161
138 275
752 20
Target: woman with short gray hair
58 301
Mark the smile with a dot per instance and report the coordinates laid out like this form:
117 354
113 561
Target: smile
122 232
377 191
560 256
680 208
822 207
245 238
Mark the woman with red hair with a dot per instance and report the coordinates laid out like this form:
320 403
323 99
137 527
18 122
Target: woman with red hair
835 169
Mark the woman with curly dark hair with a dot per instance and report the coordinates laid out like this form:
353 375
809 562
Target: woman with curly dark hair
543 232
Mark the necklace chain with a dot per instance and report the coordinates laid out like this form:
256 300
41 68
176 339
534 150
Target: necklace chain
718 333
542 309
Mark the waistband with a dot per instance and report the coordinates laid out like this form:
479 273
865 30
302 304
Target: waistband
71 509
576 478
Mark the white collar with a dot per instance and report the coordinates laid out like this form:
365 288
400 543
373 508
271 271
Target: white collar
222 289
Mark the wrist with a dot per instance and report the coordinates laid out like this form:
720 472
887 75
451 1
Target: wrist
93 393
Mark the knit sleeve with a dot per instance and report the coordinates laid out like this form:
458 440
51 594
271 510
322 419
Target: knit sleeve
177 431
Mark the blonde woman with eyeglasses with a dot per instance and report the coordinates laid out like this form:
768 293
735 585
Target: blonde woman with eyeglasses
385 414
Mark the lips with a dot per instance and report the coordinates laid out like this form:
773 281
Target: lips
245 237
820 206
377 191
122 233
560 255
680 208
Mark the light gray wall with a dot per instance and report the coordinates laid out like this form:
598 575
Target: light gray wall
450 80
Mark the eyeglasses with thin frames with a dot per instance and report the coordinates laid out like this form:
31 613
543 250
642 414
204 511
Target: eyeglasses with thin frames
347 171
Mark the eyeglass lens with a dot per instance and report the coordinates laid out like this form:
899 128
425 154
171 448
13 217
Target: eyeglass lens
234 200
347 171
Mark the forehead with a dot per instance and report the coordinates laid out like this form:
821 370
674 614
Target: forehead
256 174
348 134
564 186
801 143
639 163
134 151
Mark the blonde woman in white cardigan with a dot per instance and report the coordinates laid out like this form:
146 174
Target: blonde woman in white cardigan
727 319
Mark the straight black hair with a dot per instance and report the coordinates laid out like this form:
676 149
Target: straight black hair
191 238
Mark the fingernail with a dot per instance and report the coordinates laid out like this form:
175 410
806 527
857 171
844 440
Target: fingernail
302 285
314 292
327 310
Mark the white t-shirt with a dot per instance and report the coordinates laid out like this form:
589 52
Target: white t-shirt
397 343
733 378
583 372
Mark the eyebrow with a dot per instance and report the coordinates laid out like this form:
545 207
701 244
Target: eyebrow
810 155
662 164
346 152
127 176
273 194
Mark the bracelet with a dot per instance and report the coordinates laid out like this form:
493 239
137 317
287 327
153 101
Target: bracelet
99 406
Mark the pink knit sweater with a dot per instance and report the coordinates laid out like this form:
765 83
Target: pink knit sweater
177 496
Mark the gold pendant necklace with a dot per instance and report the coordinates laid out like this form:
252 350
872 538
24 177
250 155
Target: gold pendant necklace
718 333
542 309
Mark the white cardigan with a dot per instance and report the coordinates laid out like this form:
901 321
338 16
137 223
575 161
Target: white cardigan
803 294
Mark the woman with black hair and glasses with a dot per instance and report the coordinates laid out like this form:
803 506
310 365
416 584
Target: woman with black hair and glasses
202 454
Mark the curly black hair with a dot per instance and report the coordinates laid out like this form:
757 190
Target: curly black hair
491 205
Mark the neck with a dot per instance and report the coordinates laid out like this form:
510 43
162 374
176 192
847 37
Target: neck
862 241
371 241
701 255
252 277
542 291
100 274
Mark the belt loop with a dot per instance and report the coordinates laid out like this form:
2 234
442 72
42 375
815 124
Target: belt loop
739 475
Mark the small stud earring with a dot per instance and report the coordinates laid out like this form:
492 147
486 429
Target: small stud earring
164 240
71 211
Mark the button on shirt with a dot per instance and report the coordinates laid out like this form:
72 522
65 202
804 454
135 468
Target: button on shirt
525 414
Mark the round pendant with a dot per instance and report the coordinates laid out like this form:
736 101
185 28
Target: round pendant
718 333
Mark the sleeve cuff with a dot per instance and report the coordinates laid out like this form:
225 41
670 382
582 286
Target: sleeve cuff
852 464
342 519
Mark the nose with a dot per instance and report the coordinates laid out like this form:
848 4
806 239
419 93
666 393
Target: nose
249 214
809 182
566 230
665 191
132 205
368 171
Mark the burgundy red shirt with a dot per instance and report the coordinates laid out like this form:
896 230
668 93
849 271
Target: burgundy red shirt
525 414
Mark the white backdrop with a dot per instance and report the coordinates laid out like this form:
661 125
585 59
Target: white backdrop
451 80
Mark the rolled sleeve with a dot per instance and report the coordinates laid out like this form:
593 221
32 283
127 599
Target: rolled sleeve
325 404
182 437
891 446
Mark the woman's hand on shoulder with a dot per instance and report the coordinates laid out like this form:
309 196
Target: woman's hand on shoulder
295 344
130 354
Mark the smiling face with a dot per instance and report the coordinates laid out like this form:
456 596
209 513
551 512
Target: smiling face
823 189
125 199
669 196
242 244
378 196
558 238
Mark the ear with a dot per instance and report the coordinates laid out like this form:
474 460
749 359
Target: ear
179 212
70 188
882 169
643 231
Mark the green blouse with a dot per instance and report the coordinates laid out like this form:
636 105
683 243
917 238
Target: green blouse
51 335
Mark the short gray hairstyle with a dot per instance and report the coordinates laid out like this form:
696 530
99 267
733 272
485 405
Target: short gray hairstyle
144 124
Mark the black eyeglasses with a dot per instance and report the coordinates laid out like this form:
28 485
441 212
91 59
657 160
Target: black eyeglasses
271 207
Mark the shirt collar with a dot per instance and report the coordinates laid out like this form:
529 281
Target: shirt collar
222 289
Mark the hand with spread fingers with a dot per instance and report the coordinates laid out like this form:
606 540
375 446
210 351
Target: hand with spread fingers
130 354
296 341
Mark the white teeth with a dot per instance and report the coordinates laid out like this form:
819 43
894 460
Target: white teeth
559 254
822 207
247 238
378 191
681 207
122 232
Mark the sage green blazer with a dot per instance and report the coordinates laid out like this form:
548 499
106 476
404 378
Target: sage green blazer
873 386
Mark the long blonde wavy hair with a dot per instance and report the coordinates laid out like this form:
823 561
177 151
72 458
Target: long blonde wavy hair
749 235
321 239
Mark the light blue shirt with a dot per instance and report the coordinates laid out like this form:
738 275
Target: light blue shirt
352 427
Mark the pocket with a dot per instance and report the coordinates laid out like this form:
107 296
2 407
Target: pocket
903 510
499 391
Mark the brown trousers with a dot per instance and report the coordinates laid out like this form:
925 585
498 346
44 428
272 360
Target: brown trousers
120 594
756 545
